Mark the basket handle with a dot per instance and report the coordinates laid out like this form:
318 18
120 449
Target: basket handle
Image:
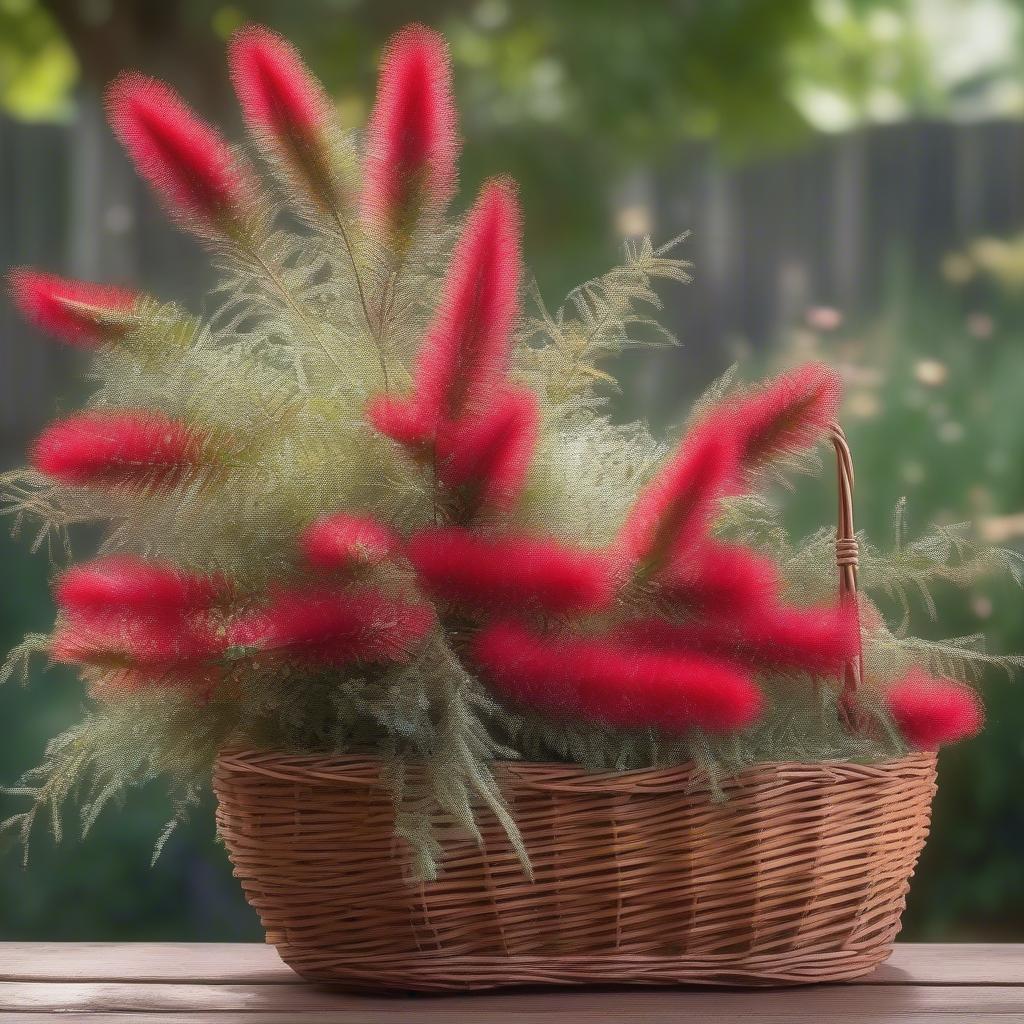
846 560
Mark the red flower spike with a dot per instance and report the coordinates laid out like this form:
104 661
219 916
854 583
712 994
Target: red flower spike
324 627
286 108
77 312
411 139
124 641
491 455
720 580
346 542
141 448
621 687
124 583
784 416
401 420
465 351
931 712
511 573
185 160
676 508
819 640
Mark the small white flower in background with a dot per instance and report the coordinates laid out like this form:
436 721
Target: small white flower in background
931 372
863 405
950 432
824 318
912 472
980 325
981 605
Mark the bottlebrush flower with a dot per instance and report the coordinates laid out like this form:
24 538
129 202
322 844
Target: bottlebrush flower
186 161
402 420
491 455
128 641
75 311
287 110
782 417
511 573
628 688
411 140
329 628
675 509
125 583
720 580
930 712
130 448
463 356
820 640
343 541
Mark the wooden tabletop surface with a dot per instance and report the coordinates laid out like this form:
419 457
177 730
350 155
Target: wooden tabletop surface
186 983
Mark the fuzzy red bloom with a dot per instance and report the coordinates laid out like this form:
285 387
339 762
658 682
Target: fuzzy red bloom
140 448
329 628
782 417
345 542
491 455
125 583
511 573
464 353
286 108
126 641
186 161
930 712
402 420
676 508
720 580
619 686
74 311
411 138
820 640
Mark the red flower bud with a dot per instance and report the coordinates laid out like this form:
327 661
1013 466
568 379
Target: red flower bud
931 712
619 686
75 311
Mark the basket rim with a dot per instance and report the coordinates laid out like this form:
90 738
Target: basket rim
364 769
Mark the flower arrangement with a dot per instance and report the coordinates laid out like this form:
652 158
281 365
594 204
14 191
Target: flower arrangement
376 501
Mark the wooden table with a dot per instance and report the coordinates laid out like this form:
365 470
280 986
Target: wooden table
183 983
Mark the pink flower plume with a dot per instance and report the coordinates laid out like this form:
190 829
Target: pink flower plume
143 448
125 641
325 627
676 508
465 351
782 417
274 87
286 108
490 455
511 573
402 420
627 688
820 640
720 580
931 712
344 541
411 139
125 583
186 161
75 311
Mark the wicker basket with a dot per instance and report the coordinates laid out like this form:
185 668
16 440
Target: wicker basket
639 878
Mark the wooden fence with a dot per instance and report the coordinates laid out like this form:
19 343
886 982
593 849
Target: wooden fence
769 238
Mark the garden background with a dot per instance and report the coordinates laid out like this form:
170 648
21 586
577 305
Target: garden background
852 172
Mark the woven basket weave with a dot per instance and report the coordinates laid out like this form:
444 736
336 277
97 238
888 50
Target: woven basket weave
801 876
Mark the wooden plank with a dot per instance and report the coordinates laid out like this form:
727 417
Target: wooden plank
331 1017
221 962
227 963
823 1003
